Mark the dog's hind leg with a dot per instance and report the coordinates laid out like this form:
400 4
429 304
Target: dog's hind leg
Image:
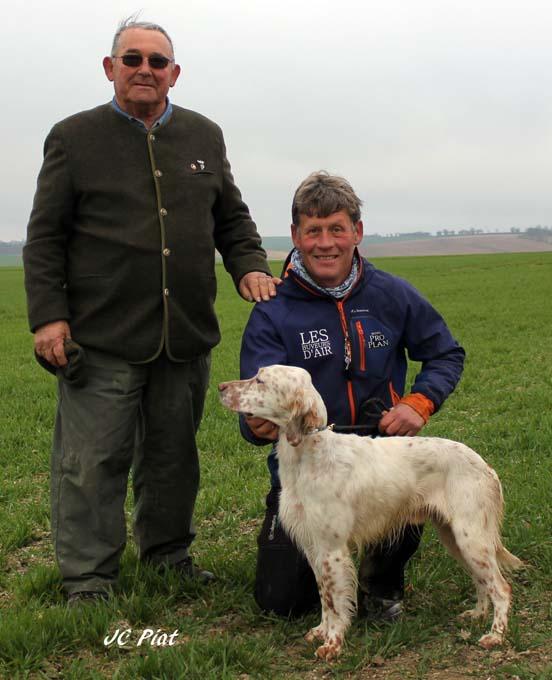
500 592
479 554
482 606
335 574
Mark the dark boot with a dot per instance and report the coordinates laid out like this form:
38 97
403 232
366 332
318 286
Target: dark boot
381 575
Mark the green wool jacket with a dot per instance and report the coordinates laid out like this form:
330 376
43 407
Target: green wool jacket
122 235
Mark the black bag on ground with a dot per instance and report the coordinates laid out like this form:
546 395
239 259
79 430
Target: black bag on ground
284 583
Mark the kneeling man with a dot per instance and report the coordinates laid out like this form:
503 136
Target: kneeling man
352 327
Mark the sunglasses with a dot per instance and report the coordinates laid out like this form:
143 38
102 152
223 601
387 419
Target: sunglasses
135 60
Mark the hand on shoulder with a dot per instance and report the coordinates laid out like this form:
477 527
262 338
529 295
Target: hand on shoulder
257 286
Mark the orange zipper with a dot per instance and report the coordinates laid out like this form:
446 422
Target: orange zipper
349 353
351 402
362 344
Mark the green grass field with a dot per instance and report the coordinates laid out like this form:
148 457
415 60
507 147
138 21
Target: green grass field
499 308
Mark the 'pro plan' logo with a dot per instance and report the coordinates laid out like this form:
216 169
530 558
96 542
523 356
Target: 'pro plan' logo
377 339
315 343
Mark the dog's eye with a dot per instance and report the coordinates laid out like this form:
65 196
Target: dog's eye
258 380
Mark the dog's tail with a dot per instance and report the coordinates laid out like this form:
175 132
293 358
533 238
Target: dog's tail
506 560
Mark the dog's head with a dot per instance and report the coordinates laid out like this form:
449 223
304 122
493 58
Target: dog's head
282 394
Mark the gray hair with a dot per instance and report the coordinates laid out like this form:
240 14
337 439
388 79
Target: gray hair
132 22
322 194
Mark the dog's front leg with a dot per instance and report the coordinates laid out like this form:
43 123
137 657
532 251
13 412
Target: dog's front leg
335 575
318 632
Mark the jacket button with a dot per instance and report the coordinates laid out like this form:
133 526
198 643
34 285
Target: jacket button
152 138
163 212
166 292
158 173
166 252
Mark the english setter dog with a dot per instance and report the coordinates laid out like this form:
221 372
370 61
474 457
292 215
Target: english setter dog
341 491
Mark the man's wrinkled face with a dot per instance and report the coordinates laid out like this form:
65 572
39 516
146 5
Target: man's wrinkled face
141 86
327 245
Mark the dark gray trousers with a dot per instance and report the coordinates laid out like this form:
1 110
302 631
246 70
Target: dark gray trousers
143 416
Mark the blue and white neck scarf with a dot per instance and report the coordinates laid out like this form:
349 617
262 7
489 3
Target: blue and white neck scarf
336 292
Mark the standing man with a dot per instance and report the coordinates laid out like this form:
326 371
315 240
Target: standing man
132 199
351 327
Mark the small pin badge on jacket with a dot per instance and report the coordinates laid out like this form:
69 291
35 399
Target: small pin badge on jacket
197 165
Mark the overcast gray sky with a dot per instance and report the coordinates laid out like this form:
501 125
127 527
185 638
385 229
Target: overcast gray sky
438 112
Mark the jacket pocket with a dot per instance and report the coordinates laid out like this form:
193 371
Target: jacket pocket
373 347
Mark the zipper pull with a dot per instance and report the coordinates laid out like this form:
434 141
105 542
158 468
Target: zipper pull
348 354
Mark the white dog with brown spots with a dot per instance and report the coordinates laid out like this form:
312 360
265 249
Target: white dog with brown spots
341 491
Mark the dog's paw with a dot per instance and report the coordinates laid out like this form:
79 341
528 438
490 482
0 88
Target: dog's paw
330 649
473 614
315 634
490 640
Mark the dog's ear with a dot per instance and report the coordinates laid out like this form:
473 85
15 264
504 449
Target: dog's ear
304 418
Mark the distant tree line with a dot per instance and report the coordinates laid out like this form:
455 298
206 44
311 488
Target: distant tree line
460 232
538 233
11 247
